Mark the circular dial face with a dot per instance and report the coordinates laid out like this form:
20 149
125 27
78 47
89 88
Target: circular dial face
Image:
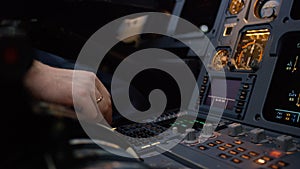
250 50
236 6
220 59
250 55
267 8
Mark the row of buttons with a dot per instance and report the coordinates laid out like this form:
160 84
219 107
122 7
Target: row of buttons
247 156
237 151
278 165
228 145
202 89
263 160
242 98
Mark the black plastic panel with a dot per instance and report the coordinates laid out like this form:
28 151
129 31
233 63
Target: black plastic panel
283 101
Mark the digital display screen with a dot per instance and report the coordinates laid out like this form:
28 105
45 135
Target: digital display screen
283 101
233 86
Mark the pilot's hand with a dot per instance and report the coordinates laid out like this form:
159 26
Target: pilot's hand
55 85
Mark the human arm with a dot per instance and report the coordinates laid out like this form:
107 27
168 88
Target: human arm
54 85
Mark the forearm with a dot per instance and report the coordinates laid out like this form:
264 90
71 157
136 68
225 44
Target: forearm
45 83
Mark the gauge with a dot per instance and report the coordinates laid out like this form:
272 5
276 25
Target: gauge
250 49
266 8
236 6
250 55
220 60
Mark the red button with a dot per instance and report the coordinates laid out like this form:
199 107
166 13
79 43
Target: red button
275 154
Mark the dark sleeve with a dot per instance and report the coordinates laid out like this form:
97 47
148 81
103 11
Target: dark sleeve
52 60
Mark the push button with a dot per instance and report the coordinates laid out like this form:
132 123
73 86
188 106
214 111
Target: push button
245 156
282 163
233 152
205 80
246 86
236 160
266 158
202 147
253 153
229 145
240 149
242 97
238 110
219 142
274 166
244 93
224 156
211 144
238 142
260 161
241 103
203 87
222 148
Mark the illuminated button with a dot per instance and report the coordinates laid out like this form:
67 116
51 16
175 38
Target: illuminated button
202 147
203 87
246 86
244 93
236 160
205 79
241 103
252 153
222 148
240 149
267 158
238 110
224 156
219 142
211 144
239 142
260 161
242 97
233 152
229 145
282 163
274 166
244 156
275 154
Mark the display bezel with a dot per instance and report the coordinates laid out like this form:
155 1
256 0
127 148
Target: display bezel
242 79
279 106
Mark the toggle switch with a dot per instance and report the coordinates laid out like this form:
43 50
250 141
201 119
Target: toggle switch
285 143
257 135
235 129
191 136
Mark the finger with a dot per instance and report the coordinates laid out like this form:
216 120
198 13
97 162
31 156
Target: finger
105 104
102 89
105 110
